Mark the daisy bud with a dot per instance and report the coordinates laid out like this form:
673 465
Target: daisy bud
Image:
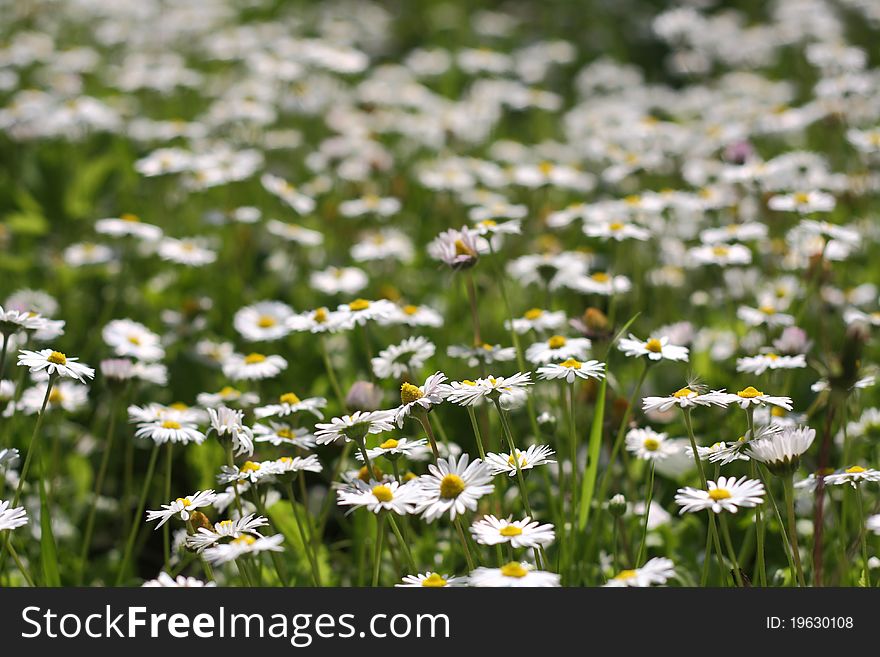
199 520
363 396
363 476
595 320
617 505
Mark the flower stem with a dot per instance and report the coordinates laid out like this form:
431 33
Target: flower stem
313 561
649 494
331 374
377 562
464 543
863 539
403 544
725 531
788 482
166 529
136 520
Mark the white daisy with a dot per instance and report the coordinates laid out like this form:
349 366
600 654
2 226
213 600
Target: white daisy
225 529
402 499
459 249
361 311
128 225
54 363
181 507
130 338
572 369
558 348
228 422
394 448
191 251
164 580
762 362
405 358
424 397
781 452
534 456
253 367
537 320
163 431
751 396
524 533
482 354
413 315
853 475
653 348
513 575
246 544
727 494
431 581
263 321
289 403
278 433
228 396
656 571
649 445
353 427
12 518
685 398
468 393
454 486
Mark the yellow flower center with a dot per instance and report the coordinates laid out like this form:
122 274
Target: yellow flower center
383 493
468 382
719 494
571 363
178 406
632 199
616 226
487 347
856 469
228 391
451 486
654 345
55 397
768 310
489 223
410 309
250 466
170 424
184 501
626 574
463 249
434 581
224 523
388 444
359 304
534 313
682 392
772 356
284 433
285 459
651 444
320 315
556 342
57 358
776 411
600 277
247 539
510 530
128 216
801 197
720 251
750 393
410 393
266 321
513 569
522 460
252 359
289 398
133 339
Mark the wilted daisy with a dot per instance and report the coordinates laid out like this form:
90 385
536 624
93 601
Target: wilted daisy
263 321
532 457
253 366
727 494
55 363
385 496
653 348
781 452
524 533
12 518
431 581
278 433
182 507
246 544
289 403
205 537
853 476
453 486
130 338
164 580
512 575
354 427
399 360
421 398
656 571
763 362
649 445
228 422
572 369
558 348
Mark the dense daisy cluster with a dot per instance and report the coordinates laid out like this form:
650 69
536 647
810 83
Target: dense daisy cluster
330 294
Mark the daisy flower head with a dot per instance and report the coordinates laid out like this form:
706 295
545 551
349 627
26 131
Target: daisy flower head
536 319
278 433
654 348
531 458
164 580
227 396
245 544
263 321
802 202
13 321
571 369
394 448
290 465
458 249
228 422
130 338
12 517
649 445
720 452
128 224
361 311
513 575
413 315
421 399
189 251
655 572
468 393
253 366
431 581
354 427
401 359
751 396
481 354
781 451
402 499
453 486
727 494
205 537
558 348
54 363
853 476
170 431
320 320
181 507
289 403
601 283
524 533
762 362
685 398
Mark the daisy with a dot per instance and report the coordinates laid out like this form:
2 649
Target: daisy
128 225
454 486
654 348
601 283
728 494
353 427
289 403
54 363
513 574
339 280
226 421
468 393
684 398
398 360
537 320
253 367
12 518
750 396
370 204
526 533
649 445
181 507
66 395
227 396
189 251
12 321
572 369
412 315
163 431
130 338
616 230
225 529
765 315
762 362
246 544
287 465
482 354
388 496
431 581
459 249
421 398
781 452
361 311
294 233
733 254
278 433
720 452
296 200
164 580
558 348
802 202
9 458
534 456
656 571
263 321
853 475
320 320
394 448
872 524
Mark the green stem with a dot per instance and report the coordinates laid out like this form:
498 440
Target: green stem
863 538
166 528
21 567
649 494
377 562
402 543
725 531
313 562
788 482
136 520
331 374
464 544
